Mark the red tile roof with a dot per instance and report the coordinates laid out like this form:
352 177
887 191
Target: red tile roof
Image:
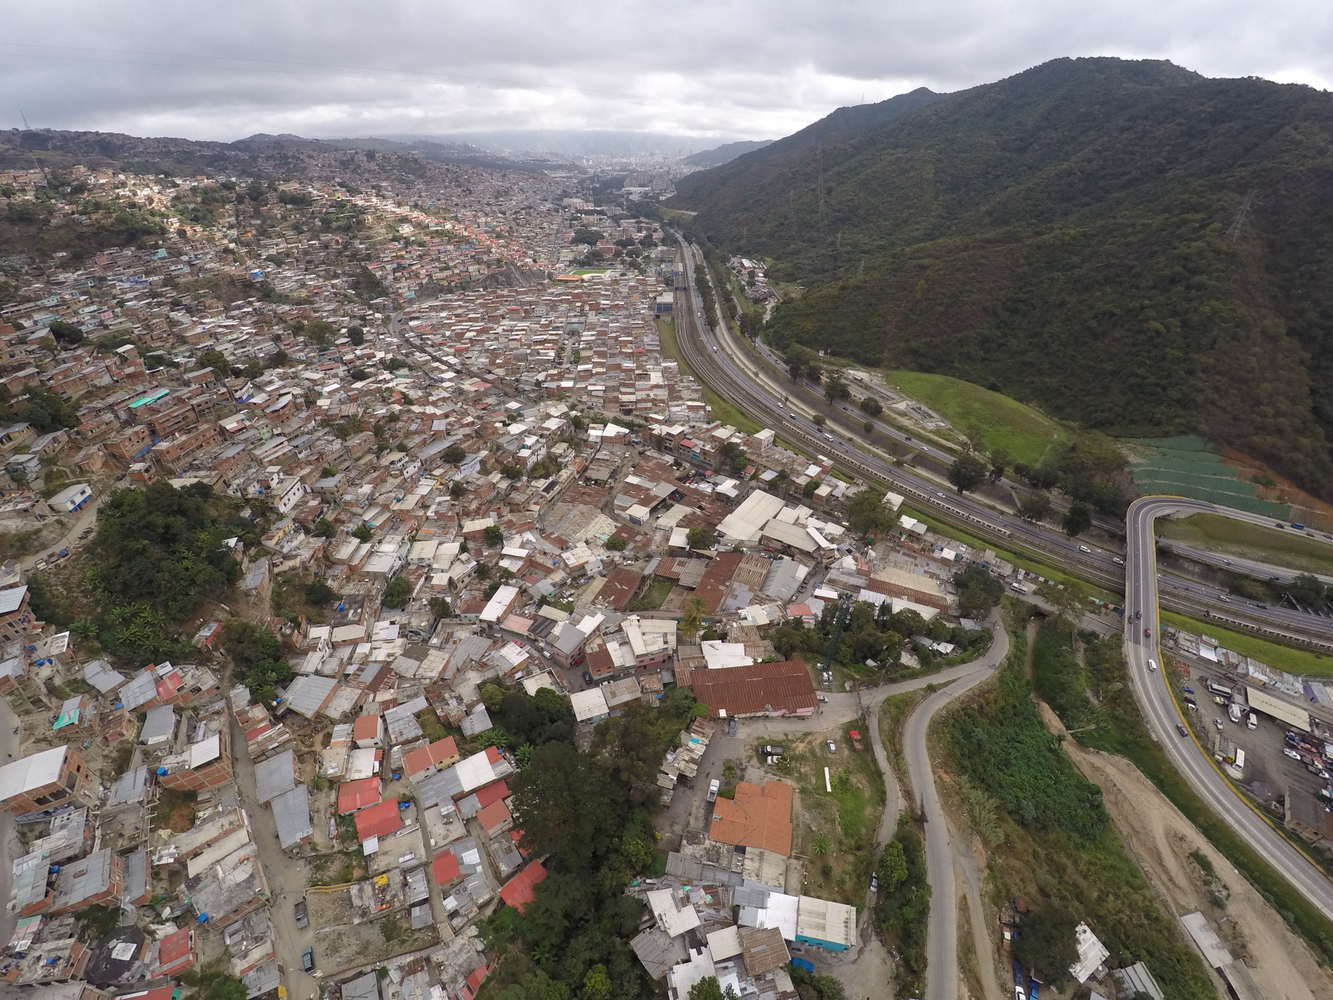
493 816
759 816
492 793
378 821
494 755
517 892
516 836
445 868
441 753
366 727
175 948
358 794
759 688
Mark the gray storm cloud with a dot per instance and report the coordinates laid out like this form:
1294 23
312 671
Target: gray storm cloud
725 68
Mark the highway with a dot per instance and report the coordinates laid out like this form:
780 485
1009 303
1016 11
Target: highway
1162 715
776 403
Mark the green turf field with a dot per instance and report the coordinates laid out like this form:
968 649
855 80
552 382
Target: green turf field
1004 423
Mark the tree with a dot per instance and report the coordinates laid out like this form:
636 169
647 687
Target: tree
483 571
871 405
866 512
615 544
999 458
318 592
819 420
692 620
967 473
1068 601
1306 589
65 333
892 867
212 982
358 374
978 591
397 592
868 426
356 335
1077 519
835 386
709 988
493 535
441 608
700 538
597 984
363 533
810 488
570 806
454 454
1047 943
1035 506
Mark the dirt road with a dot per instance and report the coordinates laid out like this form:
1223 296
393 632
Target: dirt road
1161 839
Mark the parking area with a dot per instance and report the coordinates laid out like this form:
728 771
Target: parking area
1269 773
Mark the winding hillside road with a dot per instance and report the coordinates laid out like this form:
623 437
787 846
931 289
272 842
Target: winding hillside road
942 931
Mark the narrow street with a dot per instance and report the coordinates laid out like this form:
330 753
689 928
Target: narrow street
9 848
286 879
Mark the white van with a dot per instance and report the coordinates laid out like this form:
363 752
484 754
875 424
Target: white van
1152 664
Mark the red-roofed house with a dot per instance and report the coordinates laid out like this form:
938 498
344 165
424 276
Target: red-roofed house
378 821
433 757
445 869
517 892
469 988
492 793
368 731
359 794
495 819
176 953
494 755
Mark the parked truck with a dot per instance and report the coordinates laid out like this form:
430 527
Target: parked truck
1234 713
856 739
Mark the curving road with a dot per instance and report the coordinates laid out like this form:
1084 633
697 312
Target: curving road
942 929
775 403
1162 714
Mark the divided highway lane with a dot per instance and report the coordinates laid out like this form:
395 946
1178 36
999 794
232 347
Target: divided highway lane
706 354
1162 715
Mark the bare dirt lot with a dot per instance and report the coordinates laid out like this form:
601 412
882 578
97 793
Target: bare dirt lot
1161 841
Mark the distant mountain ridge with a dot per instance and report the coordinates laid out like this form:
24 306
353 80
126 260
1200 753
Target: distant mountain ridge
1081 236
725 153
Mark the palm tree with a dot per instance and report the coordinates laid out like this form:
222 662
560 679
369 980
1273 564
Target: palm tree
692 621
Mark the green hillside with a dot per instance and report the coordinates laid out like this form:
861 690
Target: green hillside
1066 237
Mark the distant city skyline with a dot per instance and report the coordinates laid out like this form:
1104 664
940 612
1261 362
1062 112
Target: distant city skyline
712 73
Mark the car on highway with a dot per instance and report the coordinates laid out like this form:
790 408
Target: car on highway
302 917
939 493
1224 597
1180 728
832 747
308 959
1152 664
1262 606
1147 633
1084 548
1117 560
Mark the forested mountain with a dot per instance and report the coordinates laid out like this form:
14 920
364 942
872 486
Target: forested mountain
725 153
1129 245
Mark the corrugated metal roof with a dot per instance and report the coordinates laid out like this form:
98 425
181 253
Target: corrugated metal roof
11 598
139 690
31 772
308 693
275 776
99 674
159 725
291 812
130 787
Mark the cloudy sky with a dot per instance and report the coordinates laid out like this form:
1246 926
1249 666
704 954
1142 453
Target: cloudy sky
714 68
